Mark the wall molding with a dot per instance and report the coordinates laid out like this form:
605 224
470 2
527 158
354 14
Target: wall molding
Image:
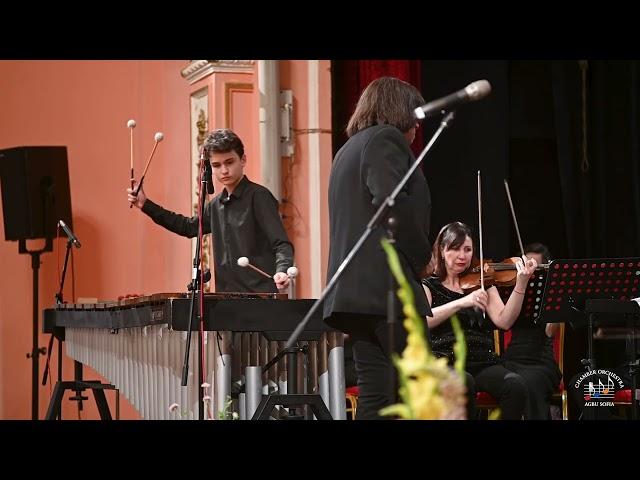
198 69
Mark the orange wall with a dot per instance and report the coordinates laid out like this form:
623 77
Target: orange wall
85 105
326 160
294 75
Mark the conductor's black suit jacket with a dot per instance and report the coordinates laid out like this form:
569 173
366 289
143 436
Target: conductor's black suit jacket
365 171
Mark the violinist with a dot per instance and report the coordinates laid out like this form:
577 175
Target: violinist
479 313
530 353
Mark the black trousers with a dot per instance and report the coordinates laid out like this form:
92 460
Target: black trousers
472 390
507 387
541 383
377 376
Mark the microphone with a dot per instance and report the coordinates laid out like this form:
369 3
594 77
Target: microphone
207 171
206 276
472 92
70 234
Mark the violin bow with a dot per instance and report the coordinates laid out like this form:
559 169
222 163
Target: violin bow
480 231
480 237
513 214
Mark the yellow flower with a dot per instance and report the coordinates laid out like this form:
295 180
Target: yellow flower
429 388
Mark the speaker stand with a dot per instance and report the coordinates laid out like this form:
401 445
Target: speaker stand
36 351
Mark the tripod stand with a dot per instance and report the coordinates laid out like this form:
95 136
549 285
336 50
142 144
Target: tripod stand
292 398
36 351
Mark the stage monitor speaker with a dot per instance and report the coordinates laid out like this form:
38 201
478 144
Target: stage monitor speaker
35 191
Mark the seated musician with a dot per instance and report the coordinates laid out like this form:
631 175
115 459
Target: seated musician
453 251
530 353
243 219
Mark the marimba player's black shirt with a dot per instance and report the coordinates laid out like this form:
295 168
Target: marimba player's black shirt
244 224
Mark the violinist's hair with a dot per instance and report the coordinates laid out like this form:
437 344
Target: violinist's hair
540 248
451 236
386 101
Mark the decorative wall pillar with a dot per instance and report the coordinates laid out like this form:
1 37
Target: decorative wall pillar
222 95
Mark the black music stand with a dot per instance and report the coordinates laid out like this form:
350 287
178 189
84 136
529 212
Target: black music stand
572 289
533 296
571 282
627 313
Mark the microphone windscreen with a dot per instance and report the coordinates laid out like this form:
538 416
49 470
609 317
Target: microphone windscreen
478 89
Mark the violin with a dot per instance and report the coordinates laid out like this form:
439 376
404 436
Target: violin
500 274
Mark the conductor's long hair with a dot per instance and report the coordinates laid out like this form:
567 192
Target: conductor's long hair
386 101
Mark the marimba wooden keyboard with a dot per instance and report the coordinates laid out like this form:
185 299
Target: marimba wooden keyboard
138 345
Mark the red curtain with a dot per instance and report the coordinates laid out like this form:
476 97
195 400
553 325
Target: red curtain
364 72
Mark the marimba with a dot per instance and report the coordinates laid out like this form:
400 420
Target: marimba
138 345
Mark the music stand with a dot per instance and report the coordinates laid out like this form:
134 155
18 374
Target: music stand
575 289
571 282
627 313
533 296
558 294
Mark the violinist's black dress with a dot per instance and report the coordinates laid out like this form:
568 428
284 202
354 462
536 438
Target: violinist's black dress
486 368
530 354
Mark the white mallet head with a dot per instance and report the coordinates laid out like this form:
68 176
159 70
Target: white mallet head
243 261
292 272
159 136
131 124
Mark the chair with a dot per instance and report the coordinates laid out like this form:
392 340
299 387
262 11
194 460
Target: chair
623 398
485 401
622 401
560 396
352 394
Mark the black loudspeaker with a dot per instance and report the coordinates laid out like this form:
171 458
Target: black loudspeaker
35 191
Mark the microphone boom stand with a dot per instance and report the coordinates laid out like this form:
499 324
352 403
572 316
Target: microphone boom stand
79 385
195 286
371 226
59 301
